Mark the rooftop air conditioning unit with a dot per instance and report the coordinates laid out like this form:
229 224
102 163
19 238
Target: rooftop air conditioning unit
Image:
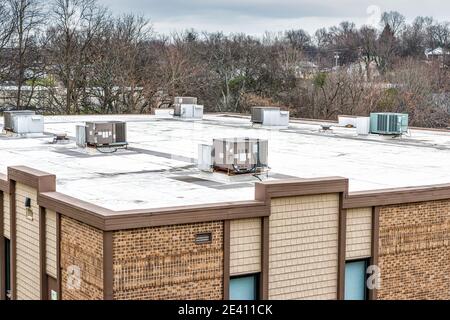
188 111
389 123
106 134
24 124
270 116
185 100
240 155
363 126
81 136
8 117
205 157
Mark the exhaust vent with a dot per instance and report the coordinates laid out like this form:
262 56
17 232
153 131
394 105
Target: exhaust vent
203 238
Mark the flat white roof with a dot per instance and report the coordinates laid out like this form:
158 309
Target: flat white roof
158 168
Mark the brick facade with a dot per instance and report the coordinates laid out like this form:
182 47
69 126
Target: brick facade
166 263
414 251
81 249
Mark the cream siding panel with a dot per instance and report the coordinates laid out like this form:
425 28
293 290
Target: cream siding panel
6 216
50 226
303 247
27 261
245 246
359 233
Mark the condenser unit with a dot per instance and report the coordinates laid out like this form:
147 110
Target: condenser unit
106 134
270 116
185 100
188 111
23 124
240 155
8 117
389 123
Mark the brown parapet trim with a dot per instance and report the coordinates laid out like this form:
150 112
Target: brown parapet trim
108 220
108 272
2 250
341 248
41 181
264 275
74 208
299 187
186 214
4 183
397 196
375 245
12 207
43 253
226 259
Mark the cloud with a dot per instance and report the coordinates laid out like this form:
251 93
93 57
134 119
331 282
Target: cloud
257 16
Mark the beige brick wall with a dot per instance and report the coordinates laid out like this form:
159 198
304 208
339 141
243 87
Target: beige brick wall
359 233
50 242
245 246
81 249
303 247
6 216
27 259
166 263
414 251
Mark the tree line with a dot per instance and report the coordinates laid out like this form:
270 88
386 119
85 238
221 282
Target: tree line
76 57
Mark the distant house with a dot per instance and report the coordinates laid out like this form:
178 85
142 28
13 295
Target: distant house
439 54
368 70
306 69
436 53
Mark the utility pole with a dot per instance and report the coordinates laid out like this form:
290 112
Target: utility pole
336 57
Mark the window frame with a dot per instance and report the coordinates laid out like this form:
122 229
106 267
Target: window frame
366 276
256 277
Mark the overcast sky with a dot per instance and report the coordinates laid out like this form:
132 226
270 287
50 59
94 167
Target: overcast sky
256 16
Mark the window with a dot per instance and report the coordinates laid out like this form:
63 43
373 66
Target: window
244 288
355 280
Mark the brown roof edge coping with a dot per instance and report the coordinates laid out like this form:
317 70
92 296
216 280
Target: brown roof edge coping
393 196
74 208
142 218
300 187
108 220
42 181
4 183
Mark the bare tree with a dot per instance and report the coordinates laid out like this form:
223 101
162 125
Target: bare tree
76 24
395 21
27 18
6 29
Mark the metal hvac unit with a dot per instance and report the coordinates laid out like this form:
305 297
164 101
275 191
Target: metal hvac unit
363 126
81 136
270 116
205 157
106 134
185 100
187 108
389 123
188 111
8 117
23 124
240 155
